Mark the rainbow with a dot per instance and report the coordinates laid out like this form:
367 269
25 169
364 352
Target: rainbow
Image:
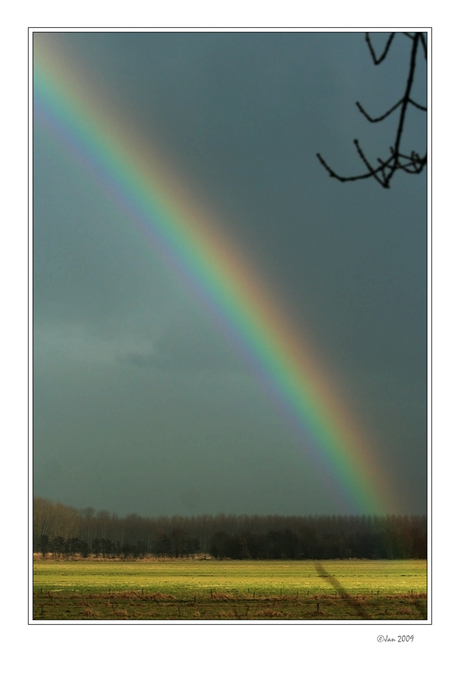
195 246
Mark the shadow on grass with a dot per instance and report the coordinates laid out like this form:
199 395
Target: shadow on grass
361 612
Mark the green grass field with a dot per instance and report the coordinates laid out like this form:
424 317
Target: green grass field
230 590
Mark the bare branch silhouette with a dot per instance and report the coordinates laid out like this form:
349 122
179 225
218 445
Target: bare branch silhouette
375 59
412 163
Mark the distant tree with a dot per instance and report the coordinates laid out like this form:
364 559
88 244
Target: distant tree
127 550
219 547
412 163
58 545
228 536
83 548
283 545
308 542
191 546
178 537
44 545
163 544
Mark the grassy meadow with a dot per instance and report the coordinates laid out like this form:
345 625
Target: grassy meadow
206 590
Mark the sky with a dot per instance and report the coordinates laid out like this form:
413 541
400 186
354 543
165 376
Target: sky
152 394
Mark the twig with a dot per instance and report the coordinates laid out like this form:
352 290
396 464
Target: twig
385 169
378 60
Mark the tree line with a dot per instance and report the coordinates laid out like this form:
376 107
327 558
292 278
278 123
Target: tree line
62 531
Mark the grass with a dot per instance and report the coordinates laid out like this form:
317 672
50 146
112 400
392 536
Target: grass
230 590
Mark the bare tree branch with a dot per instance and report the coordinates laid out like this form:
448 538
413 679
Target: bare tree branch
384 171
417 106
385 115
423 39
378 60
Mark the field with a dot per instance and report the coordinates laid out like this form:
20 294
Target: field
206 590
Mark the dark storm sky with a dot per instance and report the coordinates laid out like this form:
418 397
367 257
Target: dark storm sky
140 405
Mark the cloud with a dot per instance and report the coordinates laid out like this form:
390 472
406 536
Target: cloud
71 344
188 345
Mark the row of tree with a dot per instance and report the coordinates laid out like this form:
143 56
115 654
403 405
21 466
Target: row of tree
64 531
